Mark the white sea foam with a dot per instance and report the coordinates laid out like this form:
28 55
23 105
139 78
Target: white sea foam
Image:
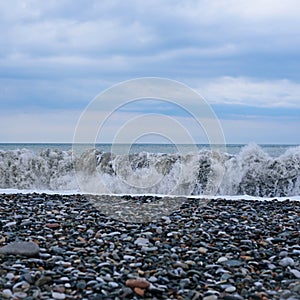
204 197
251 172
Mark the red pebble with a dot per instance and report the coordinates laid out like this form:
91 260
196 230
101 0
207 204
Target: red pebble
52 225
137 283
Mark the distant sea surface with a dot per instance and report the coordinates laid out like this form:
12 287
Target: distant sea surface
273 150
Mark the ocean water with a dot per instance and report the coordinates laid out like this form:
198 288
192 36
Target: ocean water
254 170
272 150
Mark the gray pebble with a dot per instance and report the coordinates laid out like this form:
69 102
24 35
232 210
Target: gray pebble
6 293
10 276
19 295
21 286
287 261
81 284
29 249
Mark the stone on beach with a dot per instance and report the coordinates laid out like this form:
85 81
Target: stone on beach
137 283
52 225
139 291
29 249
141 241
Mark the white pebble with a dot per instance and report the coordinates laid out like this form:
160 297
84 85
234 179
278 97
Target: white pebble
113 284
141 241
129 257
210 297
9 224
230 289
59 296
202 250
221 259
65 279
296 273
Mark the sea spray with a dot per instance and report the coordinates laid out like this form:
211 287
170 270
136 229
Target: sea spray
252 171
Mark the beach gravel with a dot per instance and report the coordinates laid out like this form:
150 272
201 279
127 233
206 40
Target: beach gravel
68 247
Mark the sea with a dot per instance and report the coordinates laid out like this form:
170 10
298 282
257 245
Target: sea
232 170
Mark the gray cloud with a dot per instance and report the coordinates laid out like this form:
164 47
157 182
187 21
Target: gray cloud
60 54
149 32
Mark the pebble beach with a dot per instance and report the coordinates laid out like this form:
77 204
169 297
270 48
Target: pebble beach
67 247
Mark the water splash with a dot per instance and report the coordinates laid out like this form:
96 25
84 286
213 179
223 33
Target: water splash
252 171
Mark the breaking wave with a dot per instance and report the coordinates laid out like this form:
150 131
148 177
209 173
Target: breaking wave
252 171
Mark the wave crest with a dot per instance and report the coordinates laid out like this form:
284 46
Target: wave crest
252 171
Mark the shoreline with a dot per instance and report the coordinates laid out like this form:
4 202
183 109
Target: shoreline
210 197
220 249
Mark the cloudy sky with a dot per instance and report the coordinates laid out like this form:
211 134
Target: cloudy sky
242 56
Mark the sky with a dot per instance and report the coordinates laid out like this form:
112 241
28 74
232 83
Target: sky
242 57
